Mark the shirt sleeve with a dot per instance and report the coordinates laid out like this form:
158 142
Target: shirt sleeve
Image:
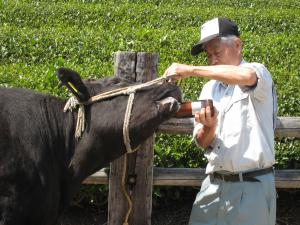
264 81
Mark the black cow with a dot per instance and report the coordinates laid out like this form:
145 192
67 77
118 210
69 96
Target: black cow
42 164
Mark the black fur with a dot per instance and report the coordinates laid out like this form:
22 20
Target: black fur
41 164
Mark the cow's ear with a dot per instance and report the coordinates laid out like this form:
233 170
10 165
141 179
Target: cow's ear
74 83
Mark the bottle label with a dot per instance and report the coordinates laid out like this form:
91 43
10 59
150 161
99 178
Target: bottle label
196 107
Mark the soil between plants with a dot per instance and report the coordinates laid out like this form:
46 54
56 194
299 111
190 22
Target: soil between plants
177 212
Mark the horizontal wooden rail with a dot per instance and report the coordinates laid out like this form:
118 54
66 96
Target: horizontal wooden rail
194 177
286 126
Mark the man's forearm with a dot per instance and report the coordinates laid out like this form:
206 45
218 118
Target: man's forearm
205 136
235 75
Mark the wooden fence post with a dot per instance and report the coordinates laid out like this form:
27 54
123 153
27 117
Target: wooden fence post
140 67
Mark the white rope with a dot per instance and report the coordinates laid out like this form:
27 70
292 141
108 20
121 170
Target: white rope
126 123
125 193
124 90
80 126
72 103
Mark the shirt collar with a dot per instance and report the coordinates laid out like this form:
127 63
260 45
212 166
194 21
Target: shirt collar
242 62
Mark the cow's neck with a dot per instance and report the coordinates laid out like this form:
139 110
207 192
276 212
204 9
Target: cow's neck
57 138
60 128
95 152
81 161
87 159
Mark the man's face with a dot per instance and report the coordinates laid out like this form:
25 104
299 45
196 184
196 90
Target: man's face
219 53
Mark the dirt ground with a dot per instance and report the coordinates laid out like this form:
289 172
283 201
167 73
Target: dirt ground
177 212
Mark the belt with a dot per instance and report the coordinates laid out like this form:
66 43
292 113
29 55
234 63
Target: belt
239 177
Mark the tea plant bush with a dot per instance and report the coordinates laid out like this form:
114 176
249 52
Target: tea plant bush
37 37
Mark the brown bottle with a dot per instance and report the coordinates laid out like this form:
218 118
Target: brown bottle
188 109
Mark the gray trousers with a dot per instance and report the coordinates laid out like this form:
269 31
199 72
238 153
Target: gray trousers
235 203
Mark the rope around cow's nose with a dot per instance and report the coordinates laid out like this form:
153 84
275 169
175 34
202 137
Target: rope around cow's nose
73 102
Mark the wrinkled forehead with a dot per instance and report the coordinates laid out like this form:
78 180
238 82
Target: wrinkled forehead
213 45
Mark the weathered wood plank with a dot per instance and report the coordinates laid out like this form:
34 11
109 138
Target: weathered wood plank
142 165
177 126
194 177
140 67
287 178
124 66
141 193
286 126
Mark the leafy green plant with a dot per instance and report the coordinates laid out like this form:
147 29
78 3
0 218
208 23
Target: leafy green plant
37 37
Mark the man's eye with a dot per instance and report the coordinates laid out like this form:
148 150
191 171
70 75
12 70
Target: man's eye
218 53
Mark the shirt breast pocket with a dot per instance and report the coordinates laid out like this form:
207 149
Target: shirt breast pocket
236 118
236 101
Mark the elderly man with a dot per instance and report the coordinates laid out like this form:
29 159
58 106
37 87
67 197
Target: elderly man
238 140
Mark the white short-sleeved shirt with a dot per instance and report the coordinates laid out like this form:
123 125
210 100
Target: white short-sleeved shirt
246 121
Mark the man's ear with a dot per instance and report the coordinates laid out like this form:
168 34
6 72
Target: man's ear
239 45
74 83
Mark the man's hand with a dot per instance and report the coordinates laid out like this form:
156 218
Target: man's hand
206 134
205 117
177 71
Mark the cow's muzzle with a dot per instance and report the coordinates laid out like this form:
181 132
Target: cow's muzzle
168 105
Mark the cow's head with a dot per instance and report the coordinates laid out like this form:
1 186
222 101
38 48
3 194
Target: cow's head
104 119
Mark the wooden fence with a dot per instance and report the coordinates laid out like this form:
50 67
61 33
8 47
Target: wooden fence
143 67
286 127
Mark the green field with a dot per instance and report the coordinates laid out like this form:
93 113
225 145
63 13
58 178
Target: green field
37 37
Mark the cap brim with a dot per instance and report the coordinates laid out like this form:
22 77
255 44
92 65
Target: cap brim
197 48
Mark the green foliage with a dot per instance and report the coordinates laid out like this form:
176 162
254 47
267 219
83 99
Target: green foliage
177 151
37 37
288 154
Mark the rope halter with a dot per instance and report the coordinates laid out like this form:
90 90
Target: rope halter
73 103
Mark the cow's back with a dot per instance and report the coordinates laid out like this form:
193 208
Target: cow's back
30 169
